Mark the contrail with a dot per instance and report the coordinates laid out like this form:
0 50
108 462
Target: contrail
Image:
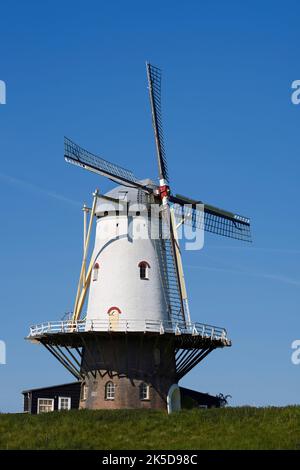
274 277
33 187
257 248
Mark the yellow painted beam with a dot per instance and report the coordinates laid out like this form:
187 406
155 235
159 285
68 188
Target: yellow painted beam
179 263
84 291
81 282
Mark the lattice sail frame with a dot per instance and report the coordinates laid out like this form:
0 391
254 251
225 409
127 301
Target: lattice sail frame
213 220
77 155
154 82
169 272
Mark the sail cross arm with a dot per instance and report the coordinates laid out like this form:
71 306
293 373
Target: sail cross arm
76 155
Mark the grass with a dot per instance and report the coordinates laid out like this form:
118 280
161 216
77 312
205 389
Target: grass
225 428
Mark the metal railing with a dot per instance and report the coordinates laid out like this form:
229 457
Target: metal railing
130 326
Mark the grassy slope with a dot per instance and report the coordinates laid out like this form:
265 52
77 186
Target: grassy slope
227 428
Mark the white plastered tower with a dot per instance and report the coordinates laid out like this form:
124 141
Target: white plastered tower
126 282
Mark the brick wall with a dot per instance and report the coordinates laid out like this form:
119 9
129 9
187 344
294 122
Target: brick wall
128 361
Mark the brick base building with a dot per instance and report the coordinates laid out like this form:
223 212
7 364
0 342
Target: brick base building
67 396
138 376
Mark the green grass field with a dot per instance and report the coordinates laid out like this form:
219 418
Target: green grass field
225 428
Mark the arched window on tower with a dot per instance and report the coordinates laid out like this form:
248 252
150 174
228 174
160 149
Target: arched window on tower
110 390
144 391
144 270
95 271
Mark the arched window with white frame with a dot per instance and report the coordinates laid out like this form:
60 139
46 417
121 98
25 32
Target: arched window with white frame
144 267
110 390
144 391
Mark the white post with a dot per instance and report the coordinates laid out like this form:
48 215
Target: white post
85 212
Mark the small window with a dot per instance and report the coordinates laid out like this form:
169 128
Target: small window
84 392
144 270
45 405
95 272
144 391
64 403
110 389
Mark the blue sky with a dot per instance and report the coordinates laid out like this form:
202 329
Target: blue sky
231 134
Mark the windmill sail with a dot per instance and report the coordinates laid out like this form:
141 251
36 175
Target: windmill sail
215 220
78 156
179 267
170 281
172 271
154 82
170 265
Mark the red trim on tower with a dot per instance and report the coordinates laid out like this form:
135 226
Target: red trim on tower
113 308
96 266
144 263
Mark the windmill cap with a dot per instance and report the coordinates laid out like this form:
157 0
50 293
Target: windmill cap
128 193
113 199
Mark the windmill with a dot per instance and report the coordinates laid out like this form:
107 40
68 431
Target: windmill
136 340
